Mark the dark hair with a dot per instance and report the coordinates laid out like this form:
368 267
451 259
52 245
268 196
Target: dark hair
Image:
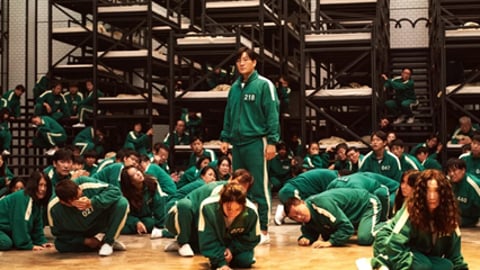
90 154
20 87
340 146
66 190
410 69
144 158
280 145
200 160
352 148
158 146
412 176
421 150
196 138
445 218
134 195
233 192
31 187
78 160
242 177
397 142
292 201
456 163
63 154
382 135
14 182
130 152
466 147
205 169
250 53
476 137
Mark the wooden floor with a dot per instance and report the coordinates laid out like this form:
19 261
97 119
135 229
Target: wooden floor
282 253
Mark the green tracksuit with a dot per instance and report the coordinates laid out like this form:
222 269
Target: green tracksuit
408 162
354 167
13 102
105 163
431 163
279 171
151 214
341 165
389 166
182 217
283 96
73 102
336 213
432 152
8 174
110 174
55 177
183 191
404 96
307 184
86 105
164 165
107 215
40 87
193 124
86 140
140 142
164 180
469 133
49 133
316 161
57 103
473 163
251 121
192 161
215 236
90 169
384 188
400 246
21 224
5 136
467 192
190 175
183 140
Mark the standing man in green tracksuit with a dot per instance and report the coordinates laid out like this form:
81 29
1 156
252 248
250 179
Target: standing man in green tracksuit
381 186
303 186
331 217
49 134
380 160
13 100
404 96
466 188
251 125
83 208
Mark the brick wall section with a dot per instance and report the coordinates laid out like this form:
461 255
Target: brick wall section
406 36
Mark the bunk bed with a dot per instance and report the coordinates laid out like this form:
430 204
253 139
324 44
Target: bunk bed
456 27
243 12
341 56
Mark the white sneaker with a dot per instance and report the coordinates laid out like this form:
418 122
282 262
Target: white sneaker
172 246
363 264
50 151
5 153
399 120
264 239
156 233
279 215
119 246
79 125
411 120
186 251
105 250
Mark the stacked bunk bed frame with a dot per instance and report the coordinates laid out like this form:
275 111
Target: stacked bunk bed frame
348 45
455 42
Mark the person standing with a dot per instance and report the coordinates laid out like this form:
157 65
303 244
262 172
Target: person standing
251 125
404 96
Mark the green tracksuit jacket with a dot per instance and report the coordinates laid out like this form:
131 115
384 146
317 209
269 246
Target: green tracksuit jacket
389 166
107 215
408 162
279 171
140 142
432 152
13 102
8 174
56 102
316 161
49 133
307 184
190 175
473 164
86 140
21 222
467 192
73 102
164 180
403 89
192 161
469 133
184 140
151 214
336 213
400 246
240 237
431 163
110 174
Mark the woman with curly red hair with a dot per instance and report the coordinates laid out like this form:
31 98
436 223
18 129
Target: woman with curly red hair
424 234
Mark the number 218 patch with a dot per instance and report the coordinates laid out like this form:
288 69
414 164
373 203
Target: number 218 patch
249 97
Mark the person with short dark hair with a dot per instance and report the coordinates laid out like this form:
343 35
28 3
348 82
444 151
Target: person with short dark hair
472 158
13 100
111 174
404 96
16 184
313 159
53 104
73 98
163 179
279 167
62 162
90 157
21 215
139 141
83 208
180 135
159 155
341 160
50 134
466 188
198 151
423 156
424 234
432 144
228 229
407 162
191 174
251 125
354 159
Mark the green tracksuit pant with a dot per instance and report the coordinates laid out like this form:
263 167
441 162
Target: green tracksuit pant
182 221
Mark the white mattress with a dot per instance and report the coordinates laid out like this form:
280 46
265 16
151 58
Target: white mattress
463 32
237 5
338 37
156 8
204 94
133 53
217 40
342 92
157 99
85 66
345 2
465 90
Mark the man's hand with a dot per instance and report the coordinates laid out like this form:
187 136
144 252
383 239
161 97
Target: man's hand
303 241
384 77
321 244
141 229
270 151
224 148
82 203
228 255
47 107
